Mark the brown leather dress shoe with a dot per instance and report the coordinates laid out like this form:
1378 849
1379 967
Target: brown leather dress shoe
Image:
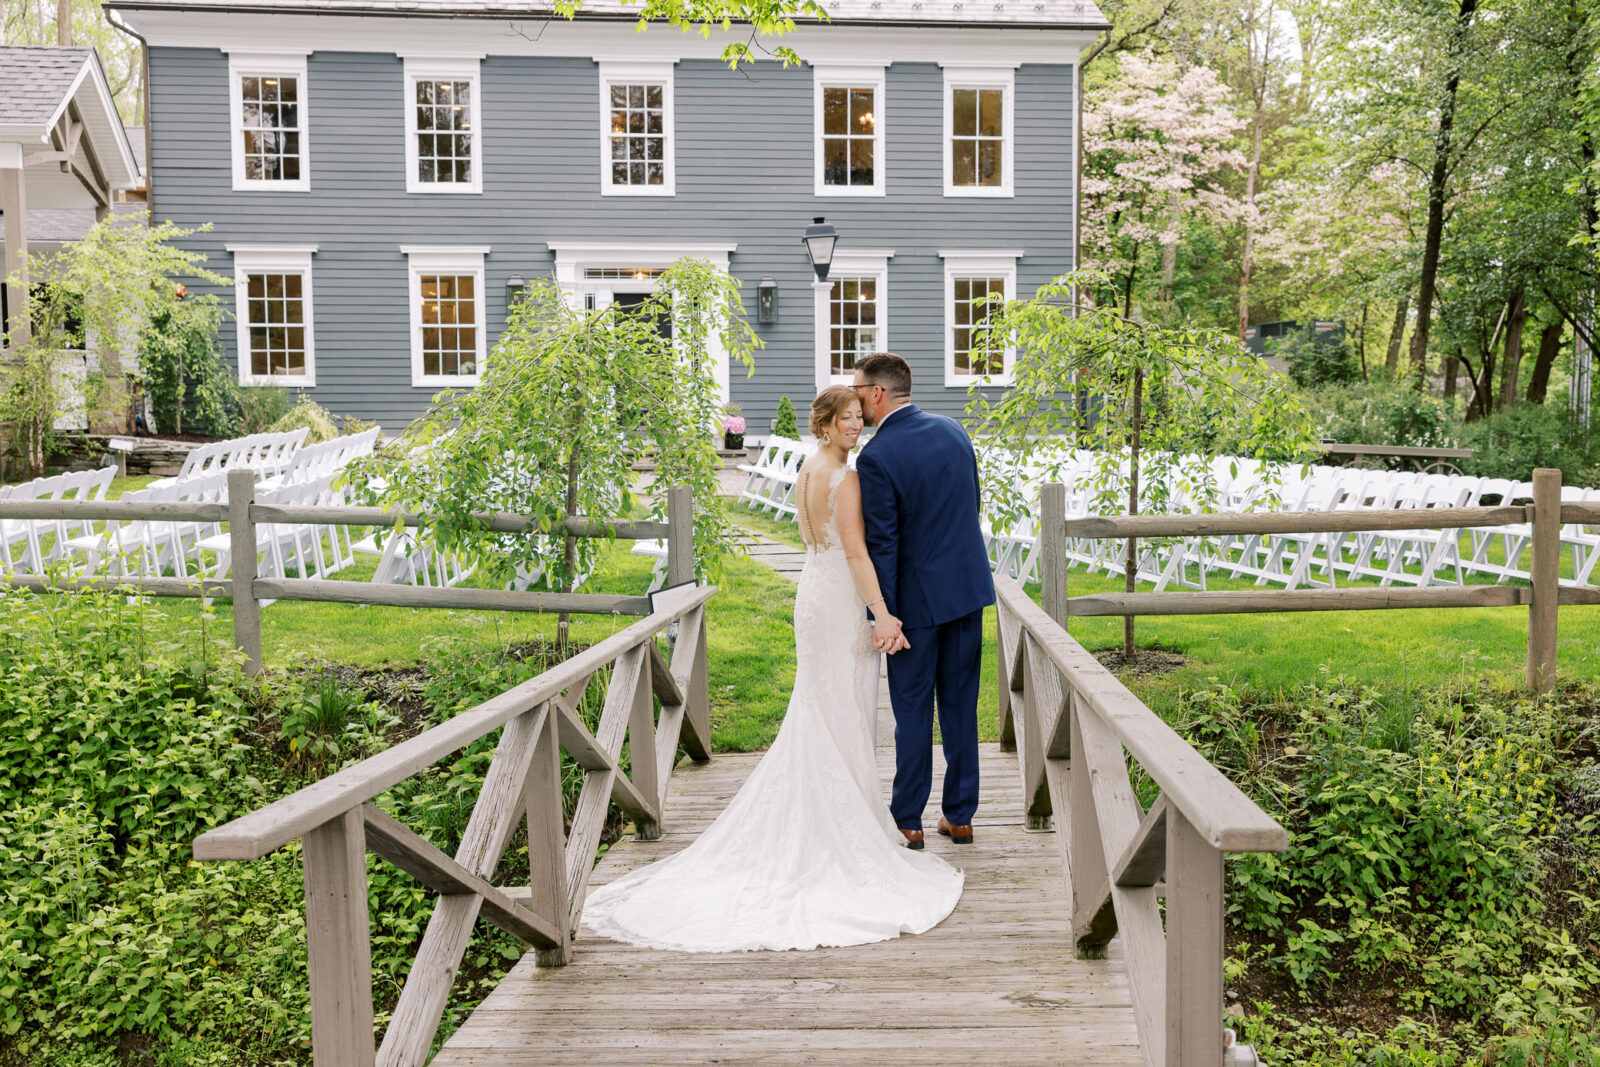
913 839
961 835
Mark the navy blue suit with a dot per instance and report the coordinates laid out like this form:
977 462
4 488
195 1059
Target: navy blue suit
920 503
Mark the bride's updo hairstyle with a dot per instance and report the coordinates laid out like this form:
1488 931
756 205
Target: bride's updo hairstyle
828 406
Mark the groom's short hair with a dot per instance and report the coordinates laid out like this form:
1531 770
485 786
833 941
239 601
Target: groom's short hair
888 370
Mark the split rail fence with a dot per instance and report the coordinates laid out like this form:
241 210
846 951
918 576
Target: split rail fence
248 591
1543 596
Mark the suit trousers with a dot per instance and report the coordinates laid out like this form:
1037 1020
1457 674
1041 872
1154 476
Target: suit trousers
942 669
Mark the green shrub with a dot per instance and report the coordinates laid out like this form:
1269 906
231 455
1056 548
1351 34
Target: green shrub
313 416
785 424
1382 412
1313 362
260 406
191 389
1510 444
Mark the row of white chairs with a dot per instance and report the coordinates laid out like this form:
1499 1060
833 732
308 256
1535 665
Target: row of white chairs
268 454
27 545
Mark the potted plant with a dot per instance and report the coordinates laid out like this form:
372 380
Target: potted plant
733 430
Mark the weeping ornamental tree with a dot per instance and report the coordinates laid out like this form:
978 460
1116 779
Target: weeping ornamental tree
1156 404
569 399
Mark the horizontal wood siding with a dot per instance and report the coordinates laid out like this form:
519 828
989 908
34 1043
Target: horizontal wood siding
744 175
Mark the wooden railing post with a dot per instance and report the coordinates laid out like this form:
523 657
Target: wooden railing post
242 552
338 940
1544 575
1194 947
547 840
1053 551
680 539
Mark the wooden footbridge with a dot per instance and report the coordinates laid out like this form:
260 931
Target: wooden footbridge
1060 951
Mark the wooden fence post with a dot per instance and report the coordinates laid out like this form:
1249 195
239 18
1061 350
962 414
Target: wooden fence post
1544 574
680 538
242 550
1052 535
339 941
1194 947
547 839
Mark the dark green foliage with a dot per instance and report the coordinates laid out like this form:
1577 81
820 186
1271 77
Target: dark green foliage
1510 444
1382 412
191 389
785 424
128 733
1440 864
260 406
1313 362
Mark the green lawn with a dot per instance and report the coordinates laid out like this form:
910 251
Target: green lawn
752 639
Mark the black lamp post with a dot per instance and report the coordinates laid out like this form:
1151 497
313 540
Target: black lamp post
819 240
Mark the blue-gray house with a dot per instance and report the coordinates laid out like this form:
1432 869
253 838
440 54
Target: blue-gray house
379 172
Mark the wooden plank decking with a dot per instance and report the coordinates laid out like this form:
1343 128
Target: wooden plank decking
995 983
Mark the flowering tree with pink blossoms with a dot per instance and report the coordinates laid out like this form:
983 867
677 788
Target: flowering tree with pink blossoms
1157 143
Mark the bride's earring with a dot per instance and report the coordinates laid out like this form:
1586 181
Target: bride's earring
826 439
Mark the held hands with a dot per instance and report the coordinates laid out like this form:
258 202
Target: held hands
887 636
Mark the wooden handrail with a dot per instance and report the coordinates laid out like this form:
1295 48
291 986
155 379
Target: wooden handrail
339 823
1073 725
260 832
1227 818
1294 522
1251 601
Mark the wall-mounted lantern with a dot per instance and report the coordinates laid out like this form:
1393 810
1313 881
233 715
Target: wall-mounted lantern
516 285
767 299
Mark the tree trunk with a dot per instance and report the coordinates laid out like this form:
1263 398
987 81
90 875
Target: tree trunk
1438 179
1549 348
570 548
1169 249
1452 367
1131 571
63 22
1361 344
1397 333
1511 364
1246 254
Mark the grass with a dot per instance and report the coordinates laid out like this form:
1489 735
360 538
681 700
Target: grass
751 653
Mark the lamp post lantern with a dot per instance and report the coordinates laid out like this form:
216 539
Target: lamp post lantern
819 240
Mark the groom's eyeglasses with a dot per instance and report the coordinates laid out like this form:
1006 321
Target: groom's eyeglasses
869 385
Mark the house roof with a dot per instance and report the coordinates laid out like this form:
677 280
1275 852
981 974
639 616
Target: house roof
1055 14
35 82
38 84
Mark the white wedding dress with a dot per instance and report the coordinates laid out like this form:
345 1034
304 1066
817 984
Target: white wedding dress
805 855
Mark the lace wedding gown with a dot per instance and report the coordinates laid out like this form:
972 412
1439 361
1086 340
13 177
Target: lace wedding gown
805 855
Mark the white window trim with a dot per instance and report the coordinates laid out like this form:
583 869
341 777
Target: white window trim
855 263
828 75
423 68
242 65
962 77
277 259
444 259
1002 264
633 73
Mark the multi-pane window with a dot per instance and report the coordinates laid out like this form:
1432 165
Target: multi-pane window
444 131
637 274
272 306
638 134
852 323
269 124
277 324
849 136
449 325
973 355
977 144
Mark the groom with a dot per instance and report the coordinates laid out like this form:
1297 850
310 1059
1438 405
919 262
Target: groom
919 499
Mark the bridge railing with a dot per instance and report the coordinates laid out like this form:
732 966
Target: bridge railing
1073 725
338 821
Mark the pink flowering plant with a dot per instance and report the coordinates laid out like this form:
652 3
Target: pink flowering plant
733 424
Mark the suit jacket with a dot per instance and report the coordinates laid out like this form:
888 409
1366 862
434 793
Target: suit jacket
920 503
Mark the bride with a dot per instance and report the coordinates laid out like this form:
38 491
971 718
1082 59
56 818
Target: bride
805 855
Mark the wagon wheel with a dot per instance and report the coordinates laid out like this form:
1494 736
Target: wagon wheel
1441 466
1366 463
